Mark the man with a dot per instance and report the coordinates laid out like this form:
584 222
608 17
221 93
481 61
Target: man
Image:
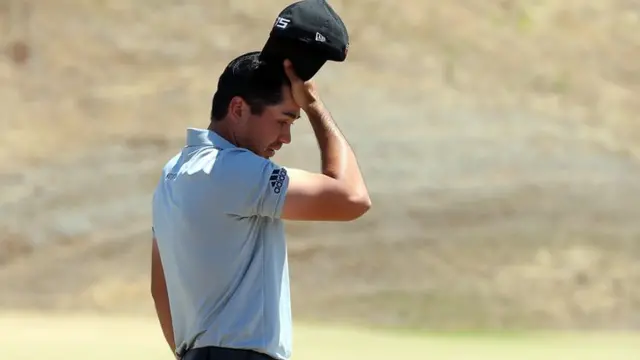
220 279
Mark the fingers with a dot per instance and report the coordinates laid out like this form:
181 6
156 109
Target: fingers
291 73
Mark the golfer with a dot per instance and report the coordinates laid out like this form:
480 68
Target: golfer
220 279
219 269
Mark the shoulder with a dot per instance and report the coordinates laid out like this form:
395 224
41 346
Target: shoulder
249 184
241 157
245 165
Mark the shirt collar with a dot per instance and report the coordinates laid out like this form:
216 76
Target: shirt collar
204 137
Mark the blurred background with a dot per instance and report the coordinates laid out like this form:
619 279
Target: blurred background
499 138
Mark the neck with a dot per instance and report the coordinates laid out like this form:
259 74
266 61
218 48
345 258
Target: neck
222 129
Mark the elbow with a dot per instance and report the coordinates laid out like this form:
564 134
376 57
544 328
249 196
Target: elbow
364 204
359 206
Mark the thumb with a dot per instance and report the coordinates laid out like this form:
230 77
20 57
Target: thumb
291 73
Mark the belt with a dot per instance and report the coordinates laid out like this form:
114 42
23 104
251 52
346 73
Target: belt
220 353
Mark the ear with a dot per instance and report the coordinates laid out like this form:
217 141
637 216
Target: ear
238 109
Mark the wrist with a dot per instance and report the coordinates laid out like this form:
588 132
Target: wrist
313 107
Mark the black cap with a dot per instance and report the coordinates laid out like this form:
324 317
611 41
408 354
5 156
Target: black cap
309 33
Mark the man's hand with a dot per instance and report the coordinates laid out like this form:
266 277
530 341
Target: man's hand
304 92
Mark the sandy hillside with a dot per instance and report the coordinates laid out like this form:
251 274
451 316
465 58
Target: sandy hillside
500 141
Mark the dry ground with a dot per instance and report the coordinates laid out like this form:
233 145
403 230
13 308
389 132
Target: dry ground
499 138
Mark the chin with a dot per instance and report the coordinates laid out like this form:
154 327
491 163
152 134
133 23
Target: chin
268 154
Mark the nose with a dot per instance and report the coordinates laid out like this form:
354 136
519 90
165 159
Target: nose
285 136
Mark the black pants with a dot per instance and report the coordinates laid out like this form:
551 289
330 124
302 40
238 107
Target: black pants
218 353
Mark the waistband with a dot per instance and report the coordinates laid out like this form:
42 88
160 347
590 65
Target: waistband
220 353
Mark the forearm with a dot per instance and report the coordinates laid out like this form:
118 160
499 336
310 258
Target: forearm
337 157
163 311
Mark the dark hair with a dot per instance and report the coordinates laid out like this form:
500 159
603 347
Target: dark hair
257 82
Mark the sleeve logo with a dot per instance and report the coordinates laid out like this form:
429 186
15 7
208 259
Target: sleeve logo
277 179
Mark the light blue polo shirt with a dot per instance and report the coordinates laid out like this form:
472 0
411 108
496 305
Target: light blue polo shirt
216 220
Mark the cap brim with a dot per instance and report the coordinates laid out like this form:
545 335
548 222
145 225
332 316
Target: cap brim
306 60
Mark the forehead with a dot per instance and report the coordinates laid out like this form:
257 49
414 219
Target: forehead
287 107
287 97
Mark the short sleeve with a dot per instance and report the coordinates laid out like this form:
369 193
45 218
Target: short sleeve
251 185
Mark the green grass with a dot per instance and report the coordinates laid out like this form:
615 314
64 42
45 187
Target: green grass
101 338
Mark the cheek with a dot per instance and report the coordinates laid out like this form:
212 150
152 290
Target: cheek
269 130
264 132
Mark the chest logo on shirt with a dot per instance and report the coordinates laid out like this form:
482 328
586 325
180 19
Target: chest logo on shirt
277 179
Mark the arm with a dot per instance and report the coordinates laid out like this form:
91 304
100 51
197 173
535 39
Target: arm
160 296
256 186
339 192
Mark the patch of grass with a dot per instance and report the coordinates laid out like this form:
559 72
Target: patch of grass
102 338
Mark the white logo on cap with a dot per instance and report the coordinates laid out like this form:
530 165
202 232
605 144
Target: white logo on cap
282 22
320 37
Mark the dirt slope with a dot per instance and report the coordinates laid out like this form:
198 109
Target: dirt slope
499 140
